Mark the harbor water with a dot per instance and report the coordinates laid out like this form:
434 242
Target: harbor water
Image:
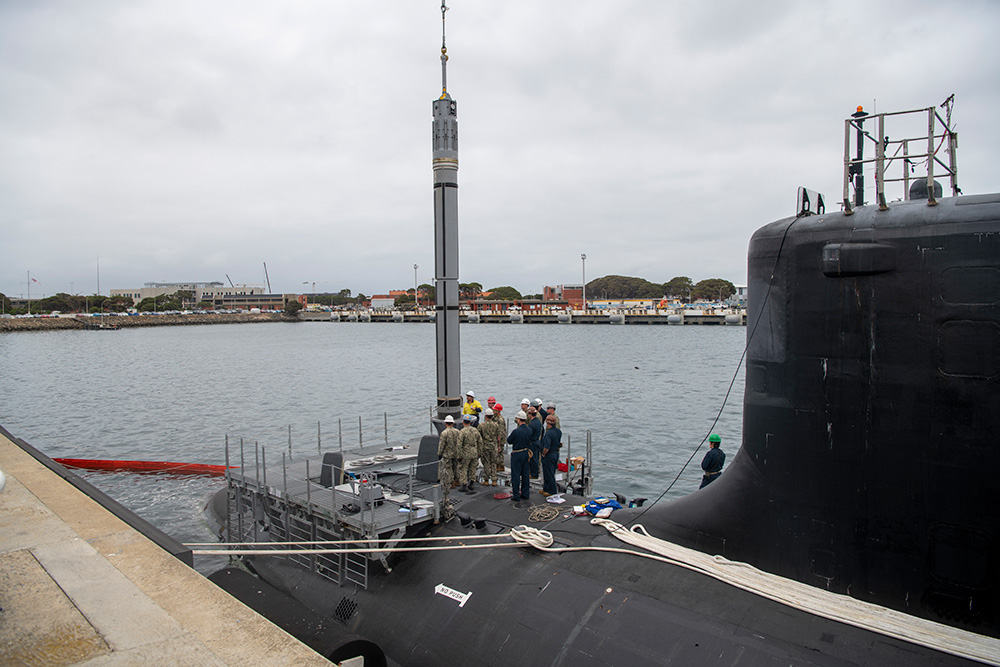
649 395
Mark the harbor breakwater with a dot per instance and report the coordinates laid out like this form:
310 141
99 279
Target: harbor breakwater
121 322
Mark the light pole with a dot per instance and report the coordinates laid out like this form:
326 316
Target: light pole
416 299
313 293
583 260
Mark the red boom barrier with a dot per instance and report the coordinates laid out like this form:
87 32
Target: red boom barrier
145 466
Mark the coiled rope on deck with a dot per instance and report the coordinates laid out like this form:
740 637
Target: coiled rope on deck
542 513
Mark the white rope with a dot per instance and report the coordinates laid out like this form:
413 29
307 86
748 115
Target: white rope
359 541
841 608
321 552
532 537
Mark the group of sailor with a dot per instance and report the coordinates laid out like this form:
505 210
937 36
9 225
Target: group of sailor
535 444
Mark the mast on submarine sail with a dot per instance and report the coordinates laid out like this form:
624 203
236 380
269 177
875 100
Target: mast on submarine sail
446 307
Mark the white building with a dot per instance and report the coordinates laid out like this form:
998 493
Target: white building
382 302
202 291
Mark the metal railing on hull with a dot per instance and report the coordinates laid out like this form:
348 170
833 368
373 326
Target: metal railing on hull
302 505
367 436
906 153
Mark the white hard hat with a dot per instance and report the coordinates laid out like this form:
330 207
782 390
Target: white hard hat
521 415
449 420
525 401
488 412
537 402
469 393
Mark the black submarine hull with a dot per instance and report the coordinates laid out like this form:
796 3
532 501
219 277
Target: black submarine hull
871 435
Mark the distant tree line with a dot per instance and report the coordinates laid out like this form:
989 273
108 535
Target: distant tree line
342 298
609 287
69 303
179 300
679 287
467 291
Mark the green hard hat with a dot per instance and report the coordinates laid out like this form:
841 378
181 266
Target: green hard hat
714 438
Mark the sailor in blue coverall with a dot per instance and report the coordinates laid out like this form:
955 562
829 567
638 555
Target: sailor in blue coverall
520 447
535 424
551 442
712 463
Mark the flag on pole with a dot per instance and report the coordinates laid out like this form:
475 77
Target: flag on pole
33 280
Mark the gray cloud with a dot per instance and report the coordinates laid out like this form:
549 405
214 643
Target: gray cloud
188 140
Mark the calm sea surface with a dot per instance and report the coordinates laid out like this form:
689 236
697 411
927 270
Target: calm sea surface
648 394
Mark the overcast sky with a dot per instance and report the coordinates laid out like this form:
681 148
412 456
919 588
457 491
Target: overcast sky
187 140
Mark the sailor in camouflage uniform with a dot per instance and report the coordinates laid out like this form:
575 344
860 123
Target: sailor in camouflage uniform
501 423
449 450
490 451
500 420
471 444
550 409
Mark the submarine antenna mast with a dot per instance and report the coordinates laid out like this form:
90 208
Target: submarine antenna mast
446 306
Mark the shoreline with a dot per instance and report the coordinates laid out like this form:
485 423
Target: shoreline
63 323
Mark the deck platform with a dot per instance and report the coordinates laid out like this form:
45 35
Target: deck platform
280 499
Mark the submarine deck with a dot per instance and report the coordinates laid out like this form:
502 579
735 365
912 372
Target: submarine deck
522 606
595 607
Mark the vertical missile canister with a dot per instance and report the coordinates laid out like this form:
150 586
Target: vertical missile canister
446 307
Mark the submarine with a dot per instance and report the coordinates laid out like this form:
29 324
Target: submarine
855 525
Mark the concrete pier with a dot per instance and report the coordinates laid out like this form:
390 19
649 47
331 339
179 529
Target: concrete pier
521 317
78 585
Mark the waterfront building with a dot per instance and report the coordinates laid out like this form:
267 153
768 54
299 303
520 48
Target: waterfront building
503 305
573 294
624 304
203 291
383 301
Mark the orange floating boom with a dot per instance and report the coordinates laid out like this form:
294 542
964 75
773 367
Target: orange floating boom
145 466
